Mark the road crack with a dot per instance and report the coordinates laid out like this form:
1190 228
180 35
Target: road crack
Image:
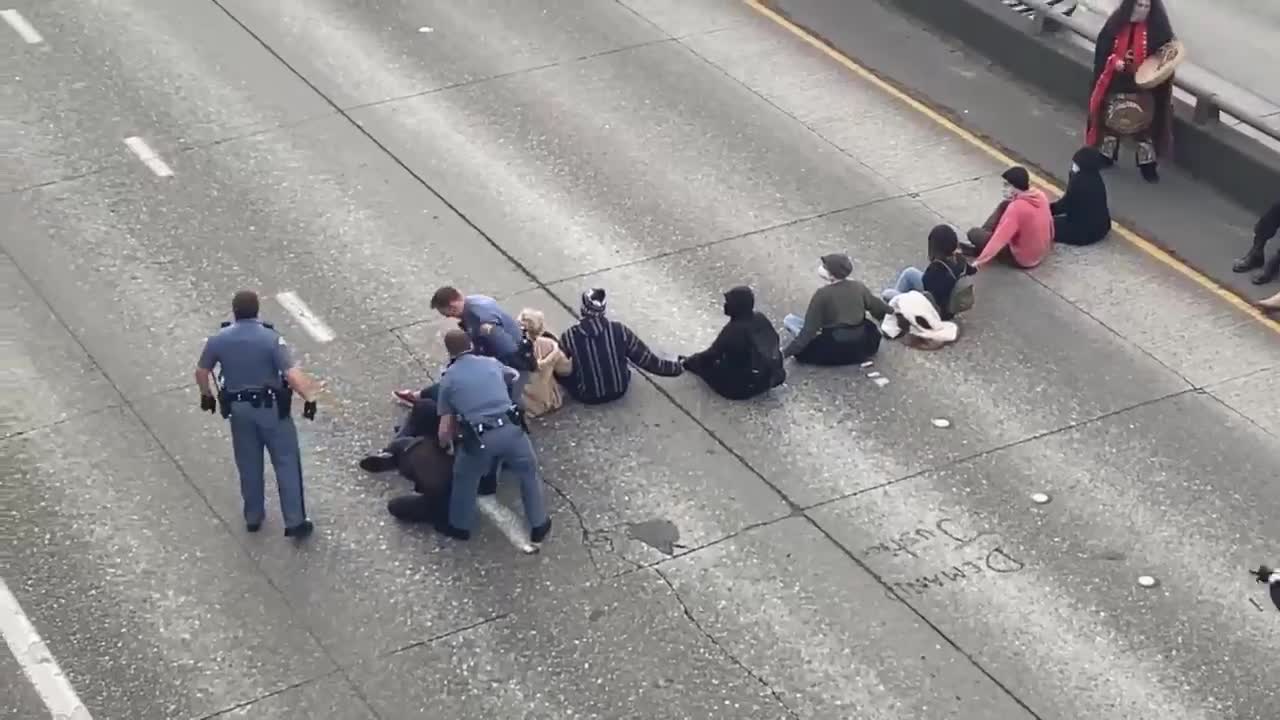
688 613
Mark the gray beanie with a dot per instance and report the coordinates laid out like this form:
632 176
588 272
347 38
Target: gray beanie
838 264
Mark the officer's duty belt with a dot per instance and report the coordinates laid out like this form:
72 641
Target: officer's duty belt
252 396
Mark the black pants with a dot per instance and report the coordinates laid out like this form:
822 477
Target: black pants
1068 233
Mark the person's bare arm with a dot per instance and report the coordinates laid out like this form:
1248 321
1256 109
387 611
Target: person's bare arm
444 435
303 384
204 380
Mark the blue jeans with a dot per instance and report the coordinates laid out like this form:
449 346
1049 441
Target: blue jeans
792 325
910 279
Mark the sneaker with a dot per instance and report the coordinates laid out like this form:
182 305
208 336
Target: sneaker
378 462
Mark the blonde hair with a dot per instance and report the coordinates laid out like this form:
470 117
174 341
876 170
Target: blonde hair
533 321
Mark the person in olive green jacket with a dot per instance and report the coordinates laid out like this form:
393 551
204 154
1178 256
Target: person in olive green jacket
835 329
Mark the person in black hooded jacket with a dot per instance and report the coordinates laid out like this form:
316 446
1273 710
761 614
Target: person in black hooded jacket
745 359
1081 216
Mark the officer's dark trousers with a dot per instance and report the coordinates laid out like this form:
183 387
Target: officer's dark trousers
252 431
510 446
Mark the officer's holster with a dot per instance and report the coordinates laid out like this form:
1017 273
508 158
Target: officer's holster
471 433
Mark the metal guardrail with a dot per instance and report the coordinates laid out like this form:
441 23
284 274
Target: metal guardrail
1208 107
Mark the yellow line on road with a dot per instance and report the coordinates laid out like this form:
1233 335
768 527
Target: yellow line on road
1141 243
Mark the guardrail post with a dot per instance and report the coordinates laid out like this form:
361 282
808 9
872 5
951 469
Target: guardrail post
1206 110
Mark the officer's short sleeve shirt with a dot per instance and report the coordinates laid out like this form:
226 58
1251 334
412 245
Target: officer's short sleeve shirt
252 356
474 387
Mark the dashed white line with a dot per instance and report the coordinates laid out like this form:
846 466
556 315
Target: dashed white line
37 662
21 26
309 321
508 523
148 156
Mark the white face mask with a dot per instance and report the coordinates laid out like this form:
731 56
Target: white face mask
1074 168
822 273
1141 10
1009 191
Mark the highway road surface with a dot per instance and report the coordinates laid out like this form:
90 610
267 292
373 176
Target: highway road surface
824 552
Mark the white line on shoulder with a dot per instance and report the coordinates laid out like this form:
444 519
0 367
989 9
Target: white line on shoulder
508 523
37 662
148 156
315 327
21 26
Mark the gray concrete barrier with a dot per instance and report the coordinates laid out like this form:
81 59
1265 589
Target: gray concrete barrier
1237 165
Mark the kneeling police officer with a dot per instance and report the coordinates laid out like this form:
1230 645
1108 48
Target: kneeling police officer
259 377
482 425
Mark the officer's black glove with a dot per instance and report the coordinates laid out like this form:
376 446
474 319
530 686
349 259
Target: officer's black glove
309 409
1263 573
208 402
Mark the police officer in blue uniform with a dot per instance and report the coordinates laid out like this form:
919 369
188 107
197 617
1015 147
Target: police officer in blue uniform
259 377
483 426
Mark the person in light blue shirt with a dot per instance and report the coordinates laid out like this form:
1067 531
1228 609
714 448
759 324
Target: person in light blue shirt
256 364
493 331
485 429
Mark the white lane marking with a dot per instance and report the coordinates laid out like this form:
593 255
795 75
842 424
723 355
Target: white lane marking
148 156
309 321
37 662
21 26
508 523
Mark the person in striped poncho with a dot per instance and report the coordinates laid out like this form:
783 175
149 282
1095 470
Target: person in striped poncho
600 349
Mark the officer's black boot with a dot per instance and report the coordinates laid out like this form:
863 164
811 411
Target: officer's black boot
443 527
1269 271
541 532
300 530
489 484
1149 172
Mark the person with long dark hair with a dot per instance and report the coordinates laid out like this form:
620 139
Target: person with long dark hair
1118 108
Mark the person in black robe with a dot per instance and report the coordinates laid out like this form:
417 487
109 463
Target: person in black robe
745 359
1081 216
1267 227
1138 29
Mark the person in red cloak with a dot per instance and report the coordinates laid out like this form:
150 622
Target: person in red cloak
1118 108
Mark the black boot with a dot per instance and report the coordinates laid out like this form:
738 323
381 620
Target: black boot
443 527
378 462
489 484
541 532
1251 260
1149 173
1269 271
301 530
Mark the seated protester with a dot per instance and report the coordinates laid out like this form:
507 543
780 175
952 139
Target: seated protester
600 348
835 329
916 319
744 360
1081 216
1020 231
542 393
941 278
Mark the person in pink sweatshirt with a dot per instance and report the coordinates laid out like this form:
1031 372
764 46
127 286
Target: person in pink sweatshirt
1020 231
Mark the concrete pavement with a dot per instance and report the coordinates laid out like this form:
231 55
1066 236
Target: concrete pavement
822 552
